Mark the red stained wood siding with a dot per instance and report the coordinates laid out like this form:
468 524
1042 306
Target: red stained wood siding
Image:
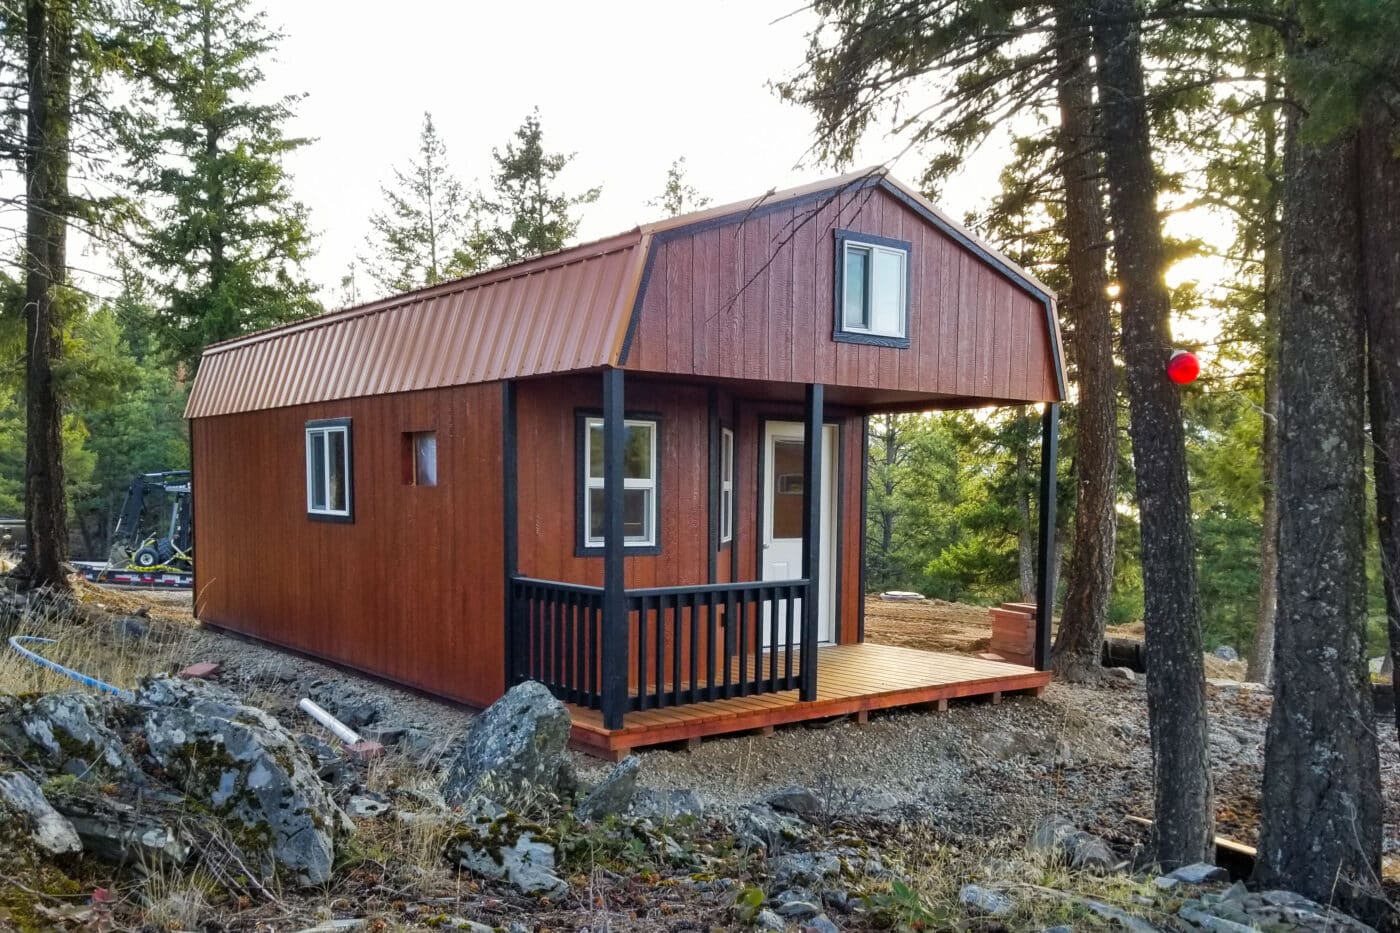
754 299
412 590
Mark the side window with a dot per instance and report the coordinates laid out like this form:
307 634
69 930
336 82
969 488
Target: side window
328 469
872 290
639 469
726 485
420 458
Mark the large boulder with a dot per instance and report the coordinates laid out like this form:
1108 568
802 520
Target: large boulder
513 750
246 767
23 801
67 733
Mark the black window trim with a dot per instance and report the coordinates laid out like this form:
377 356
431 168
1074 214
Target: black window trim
347 423
838 331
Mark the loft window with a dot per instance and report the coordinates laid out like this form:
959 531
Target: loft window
638 483
726 485
328 469
420 458
872 290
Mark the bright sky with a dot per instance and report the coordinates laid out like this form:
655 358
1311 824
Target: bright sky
629 85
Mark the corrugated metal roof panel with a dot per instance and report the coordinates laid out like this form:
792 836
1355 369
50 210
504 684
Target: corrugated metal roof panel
560 312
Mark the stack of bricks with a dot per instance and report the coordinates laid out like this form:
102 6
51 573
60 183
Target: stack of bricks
1013 634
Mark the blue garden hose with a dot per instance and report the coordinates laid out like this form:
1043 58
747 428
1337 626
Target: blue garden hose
81 678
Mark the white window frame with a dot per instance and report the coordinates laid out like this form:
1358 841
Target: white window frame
726 485
591 482
873 249
324 430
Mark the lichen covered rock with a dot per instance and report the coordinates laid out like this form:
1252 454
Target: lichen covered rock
22 800
513 750
246 767
67 733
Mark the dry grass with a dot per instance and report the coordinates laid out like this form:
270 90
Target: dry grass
1046 893
88 639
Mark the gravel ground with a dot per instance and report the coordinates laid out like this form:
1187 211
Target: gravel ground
977 769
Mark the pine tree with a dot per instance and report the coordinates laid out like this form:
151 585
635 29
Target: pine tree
428 230
1172 617
531 217
227 238
678 196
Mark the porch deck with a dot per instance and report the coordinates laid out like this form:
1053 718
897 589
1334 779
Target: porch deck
853 678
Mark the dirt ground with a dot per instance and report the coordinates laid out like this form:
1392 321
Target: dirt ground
935 625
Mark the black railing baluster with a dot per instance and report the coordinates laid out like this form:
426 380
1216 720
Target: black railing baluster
730 640
788 615
694 600
660 672
711 633
744 644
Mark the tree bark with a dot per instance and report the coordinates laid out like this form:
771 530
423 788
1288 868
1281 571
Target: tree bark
1320 831
1078 651
49 50
1175 667
1380 240
1261 656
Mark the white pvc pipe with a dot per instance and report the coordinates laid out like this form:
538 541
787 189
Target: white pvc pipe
342 731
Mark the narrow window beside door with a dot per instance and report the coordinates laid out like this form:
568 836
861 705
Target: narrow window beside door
726 485
328 475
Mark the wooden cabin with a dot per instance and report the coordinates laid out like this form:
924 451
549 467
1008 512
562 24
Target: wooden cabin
593 468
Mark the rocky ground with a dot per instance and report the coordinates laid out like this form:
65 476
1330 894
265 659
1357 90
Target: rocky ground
829 826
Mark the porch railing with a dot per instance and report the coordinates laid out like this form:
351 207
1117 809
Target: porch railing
556 637
685 644
715 641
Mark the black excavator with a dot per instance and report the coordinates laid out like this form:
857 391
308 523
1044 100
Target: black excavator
145 539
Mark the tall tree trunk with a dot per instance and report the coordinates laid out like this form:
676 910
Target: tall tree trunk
1175 667
1261 656
1078 649
1380 225
49 48
1025 532
1320 832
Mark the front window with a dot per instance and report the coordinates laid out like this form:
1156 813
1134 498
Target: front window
638 483
873 289
328 468
726 485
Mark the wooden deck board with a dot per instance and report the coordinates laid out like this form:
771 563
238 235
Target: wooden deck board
850 679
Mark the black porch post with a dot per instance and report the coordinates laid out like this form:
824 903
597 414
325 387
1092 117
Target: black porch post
614 660
1045 559
510 513
811 537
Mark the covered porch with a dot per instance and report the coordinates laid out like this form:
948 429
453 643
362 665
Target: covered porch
647 665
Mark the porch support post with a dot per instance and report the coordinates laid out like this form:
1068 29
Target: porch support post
1045 558
510 520
811 537
614 646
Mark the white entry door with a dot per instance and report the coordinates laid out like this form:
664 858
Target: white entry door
784 451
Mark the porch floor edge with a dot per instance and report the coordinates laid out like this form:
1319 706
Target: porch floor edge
852 679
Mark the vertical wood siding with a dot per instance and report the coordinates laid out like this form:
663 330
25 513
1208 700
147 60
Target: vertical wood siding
411 590
755 300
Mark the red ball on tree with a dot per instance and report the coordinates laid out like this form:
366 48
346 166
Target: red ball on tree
1183 367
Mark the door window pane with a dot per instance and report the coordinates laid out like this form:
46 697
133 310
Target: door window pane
787 488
